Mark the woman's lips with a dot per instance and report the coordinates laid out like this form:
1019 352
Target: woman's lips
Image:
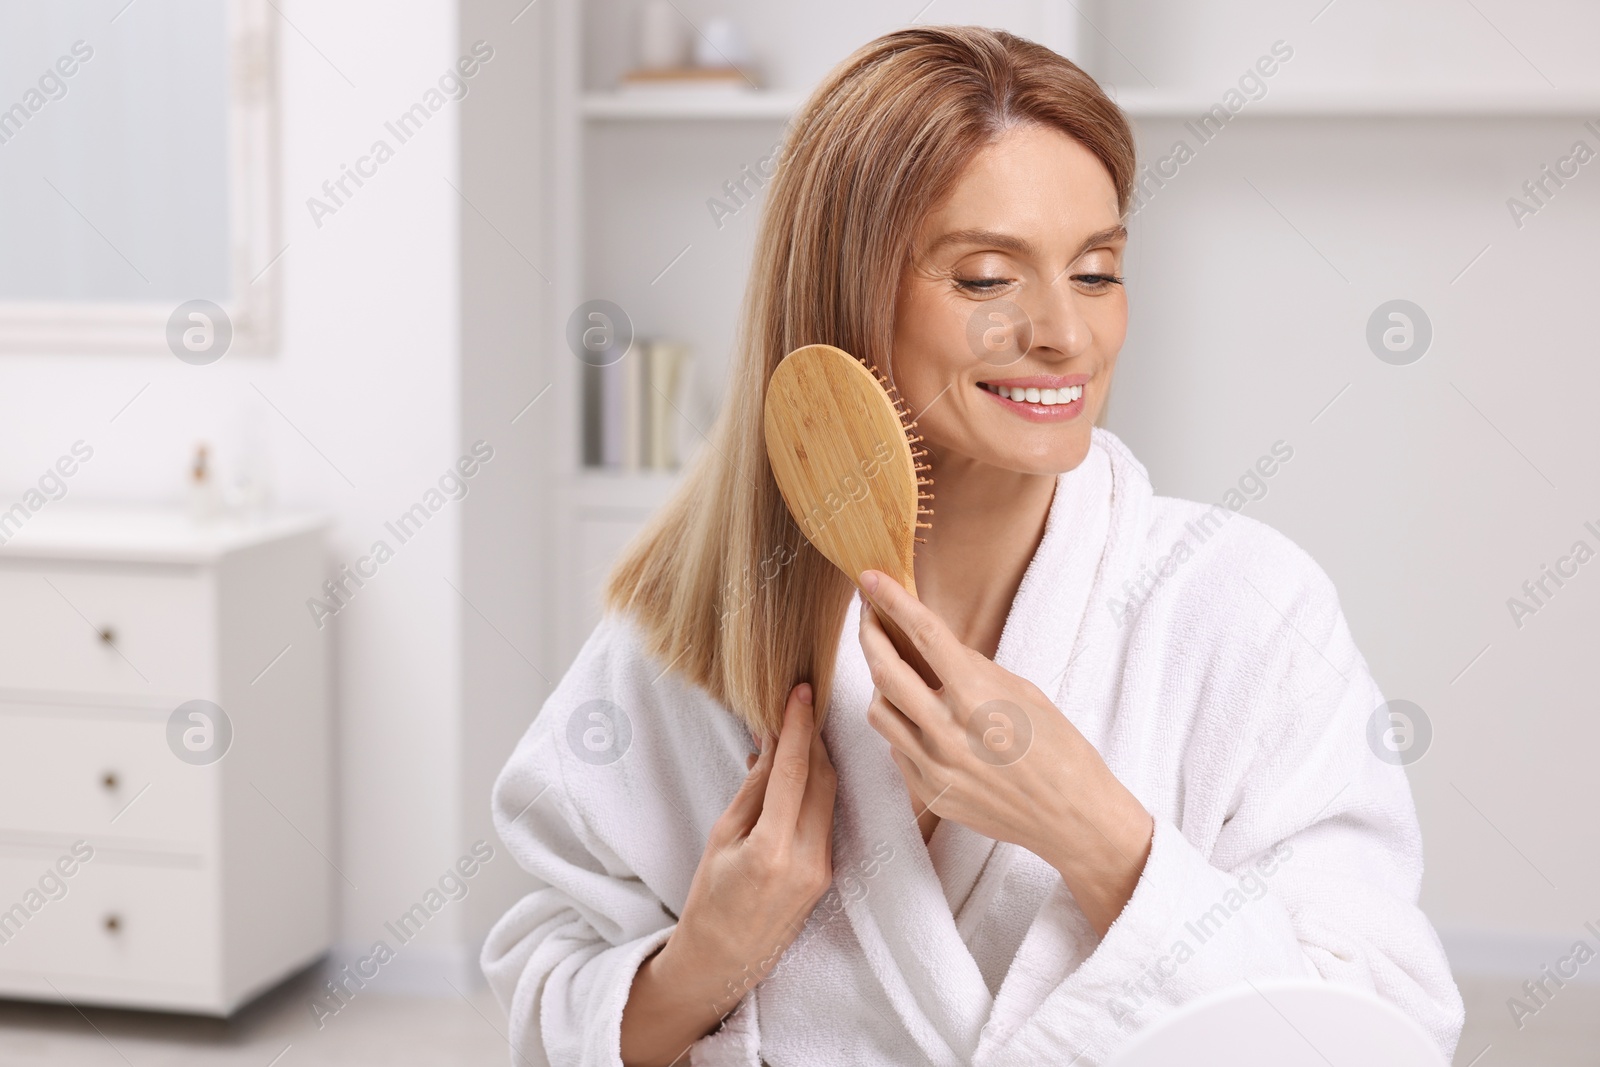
1044 388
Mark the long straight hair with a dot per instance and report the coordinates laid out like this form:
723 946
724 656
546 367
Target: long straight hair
722 583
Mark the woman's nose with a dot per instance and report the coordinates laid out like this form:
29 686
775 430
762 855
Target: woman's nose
1059 330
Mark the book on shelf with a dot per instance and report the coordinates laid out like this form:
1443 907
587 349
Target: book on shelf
631 407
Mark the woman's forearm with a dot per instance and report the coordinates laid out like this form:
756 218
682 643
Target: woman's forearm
671 1005
1101 843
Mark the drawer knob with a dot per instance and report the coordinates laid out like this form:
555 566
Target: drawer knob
108 635
109 780
113 923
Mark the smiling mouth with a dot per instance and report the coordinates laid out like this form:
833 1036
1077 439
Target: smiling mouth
1044 397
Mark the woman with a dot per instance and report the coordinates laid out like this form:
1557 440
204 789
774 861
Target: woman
1144 776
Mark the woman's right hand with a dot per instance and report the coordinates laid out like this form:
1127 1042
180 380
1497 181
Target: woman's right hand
768 861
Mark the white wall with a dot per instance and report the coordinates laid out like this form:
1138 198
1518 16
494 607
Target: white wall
369 375
1429 492
1426 517
793 45
507 308
1353 44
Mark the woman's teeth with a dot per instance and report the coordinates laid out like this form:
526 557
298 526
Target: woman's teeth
1047 397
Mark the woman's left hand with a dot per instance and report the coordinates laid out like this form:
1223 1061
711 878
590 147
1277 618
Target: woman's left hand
990 751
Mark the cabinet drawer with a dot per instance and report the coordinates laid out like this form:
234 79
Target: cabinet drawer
63 772
142 924
113 630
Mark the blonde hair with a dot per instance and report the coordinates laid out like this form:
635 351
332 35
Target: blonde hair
722 583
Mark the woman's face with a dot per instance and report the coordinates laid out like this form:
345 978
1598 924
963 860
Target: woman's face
1015 284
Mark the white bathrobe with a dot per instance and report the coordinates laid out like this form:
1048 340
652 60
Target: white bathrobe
1218 679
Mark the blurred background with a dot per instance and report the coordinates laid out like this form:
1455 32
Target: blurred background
306 488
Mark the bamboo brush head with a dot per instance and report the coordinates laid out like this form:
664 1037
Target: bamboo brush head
848 464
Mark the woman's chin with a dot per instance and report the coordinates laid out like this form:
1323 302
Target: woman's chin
1057 461
1056 452
1032 450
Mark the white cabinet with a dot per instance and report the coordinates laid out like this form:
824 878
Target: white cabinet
149 858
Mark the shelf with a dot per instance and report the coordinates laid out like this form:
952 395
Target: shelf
1366 103
680 104
601 490
691 104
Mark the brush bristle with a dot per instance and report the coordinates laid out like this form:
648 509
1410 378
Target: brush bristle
919 451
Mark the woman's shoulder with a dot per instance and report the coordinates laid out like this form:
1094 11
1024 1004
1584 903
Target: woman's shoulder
619 712
1217 563
1232 535
1234 601
614 676
622 772
1188 544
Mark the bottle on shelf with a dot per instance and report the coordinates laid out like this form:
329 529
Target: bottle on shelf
204 502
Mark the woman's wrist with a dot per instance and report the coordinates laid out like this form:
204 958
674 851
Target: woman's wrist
672 1004
697 975
1099 846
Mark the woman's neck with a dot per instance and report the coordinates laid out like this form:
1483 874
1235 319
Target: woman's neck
987 523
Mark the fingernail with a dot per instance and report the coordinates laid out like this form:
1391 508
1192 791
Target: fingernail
869 581
805 693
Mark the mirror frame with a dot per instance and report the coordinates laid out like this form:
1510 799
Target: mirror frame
90 327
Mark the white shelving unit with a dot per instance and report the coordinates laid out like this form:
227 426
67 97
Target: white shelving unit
685 104
630 173
604 491
604 210
1365 103
1136 102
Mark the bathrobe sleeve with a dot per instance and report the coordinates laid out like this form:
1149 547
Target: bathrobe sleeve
563 959
1297 852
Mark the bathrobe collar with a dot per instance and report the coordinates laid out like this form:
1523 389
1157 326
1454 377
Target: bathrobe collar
902 922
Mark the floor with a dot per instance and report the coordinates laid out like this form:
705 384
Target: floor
279 1030
1563 1033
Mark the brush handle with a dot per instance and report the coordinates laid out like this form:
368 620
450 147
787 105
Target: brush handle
903 645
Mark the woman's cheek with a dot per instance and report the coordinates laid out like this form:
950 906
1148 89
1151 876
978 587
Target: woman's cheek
940 362
1111 325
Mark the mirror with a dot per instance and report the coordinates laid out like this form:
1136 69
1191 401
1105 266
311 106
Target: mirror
137 145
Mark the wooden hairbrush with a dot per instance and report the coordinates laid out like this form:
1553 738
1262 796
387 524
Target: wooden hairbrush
853 473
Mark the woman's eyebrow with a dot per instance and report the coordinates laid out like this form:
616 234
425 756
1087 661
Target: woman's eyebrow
991 238
1106 236
1020 245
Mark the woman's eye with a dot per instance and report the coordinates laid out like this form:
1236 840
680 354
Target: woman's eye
979 285
1097 281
